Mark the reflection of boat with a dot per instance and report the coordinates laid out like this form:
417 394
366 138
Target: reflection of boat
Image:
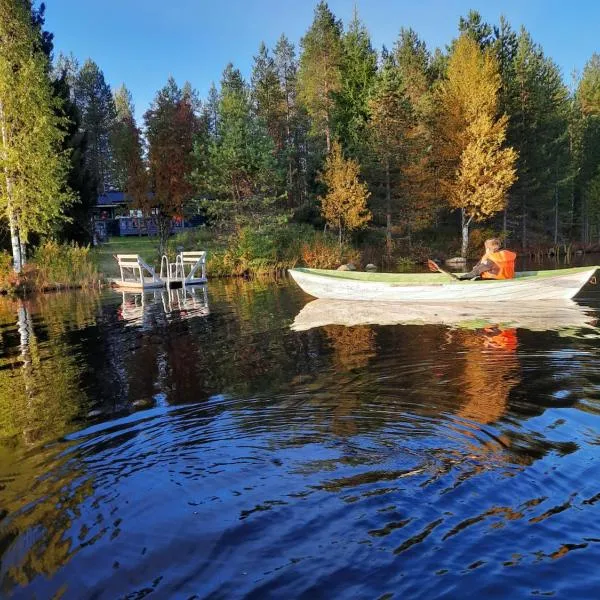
535 316
183 303
560 284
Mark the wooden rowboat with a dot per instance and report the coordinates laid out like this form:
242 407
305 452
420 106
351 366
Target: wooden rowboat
558 284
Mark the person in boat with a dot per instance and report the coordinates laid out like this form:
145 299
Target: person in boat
494 264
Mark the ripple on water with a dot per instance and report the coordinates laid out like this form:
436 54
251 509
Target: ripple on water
375 462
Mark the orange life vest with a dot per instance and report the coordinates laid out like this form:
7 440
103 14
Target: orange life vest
505 340
505 260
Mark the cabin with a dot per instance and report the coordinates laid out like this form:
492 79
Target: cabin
113 215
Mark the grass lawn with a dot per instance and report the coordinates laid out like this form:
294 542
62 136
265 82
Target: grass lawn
147 247
144 246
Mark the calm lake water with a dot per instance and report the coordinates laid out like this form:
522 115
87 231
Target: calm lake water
215 445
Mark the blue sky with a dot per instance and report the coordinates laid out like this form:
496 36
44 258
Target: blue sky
142 42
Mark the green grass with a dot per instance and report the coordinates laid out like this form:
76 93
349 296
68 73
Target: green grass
103 255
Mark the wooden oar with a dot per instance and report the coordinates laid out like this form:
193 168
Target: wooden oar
433 266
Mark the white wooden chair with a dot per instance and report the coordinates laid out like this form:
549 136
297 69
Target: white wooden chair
136 271
192 262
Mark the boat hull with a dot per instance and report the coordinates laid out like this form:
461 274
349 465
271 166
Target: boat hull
527 286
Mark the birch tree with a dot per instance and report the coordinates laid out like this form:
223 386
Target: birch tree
476 170
33 168
344 206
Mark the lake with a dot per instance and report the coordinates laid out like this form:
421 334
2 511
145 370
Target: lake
237 442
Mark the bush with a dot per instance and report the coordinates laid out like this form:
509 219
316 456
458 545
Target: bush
404 264
57 265
259 250
269 248
323 252
8 278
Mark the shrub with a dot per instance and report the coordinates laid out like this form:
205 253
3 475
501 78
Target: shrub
323 252
61 265
269 248
8 278
404 264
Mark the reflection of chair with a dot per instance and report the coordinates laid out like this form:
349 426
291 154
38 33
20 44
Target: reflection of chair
185 299
148 308
145 277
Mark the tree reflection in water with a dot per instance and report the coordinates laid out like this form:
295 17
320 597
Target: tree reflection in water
356 411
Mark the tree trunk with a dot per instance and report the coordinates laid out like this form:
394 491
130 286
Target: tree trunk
340 234
15 242
465 232
388 200
505 224
163 226
12 217
555 216
524 229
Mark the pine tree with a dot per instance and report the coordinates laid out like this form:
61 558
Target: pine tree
211 110
476 171
320 75
267 96
589 87
585 144
126 142
413 62
390 117
76 226
358 72
344 206
236 170
296 126
95 102
171 126
33 165
400 147
537 101
477 29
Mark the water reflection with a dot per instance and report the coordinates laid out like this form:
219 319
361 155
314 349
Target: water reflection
535 316
491 370
147 308
230 455
40 377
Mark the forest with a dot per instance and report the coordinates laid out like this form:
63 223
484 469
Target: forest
328 149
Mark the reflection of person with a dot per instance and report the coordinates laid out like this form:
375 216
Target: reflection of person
494 264
489 376
501 339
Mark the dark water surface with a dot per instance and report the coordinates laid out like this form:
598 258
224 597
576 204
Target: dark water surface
198 447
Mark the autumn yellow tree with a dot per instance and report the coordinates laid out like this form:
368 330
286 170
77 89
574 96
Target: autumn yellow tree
476 169
345 204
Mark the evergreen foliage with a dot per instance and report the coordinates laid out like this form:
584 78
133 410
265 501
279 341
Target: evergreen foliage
236 169
358 74
126 140
94 100
320 72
